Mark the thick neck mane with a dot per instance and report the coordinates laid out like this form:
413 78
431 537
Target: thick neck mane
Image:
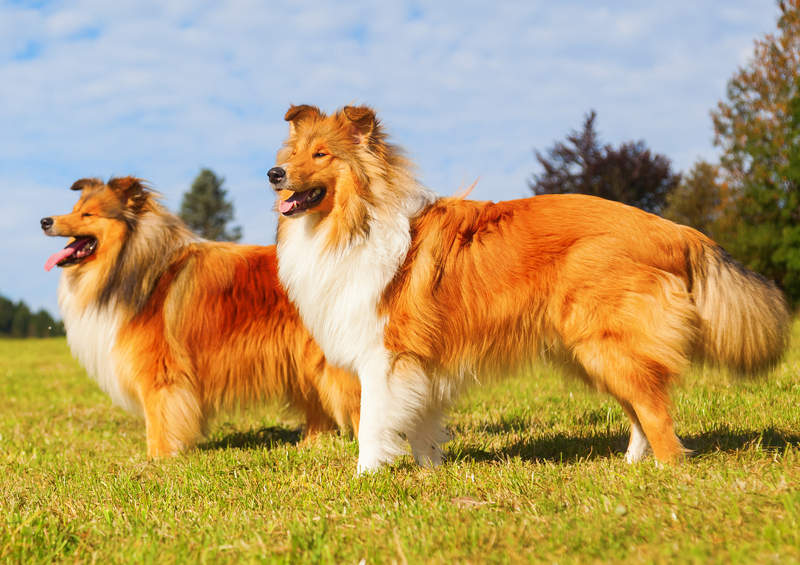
382 194
391 180
151 239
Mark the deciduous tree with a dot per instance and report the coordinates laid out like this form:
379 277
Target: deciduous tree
630 173
758 128
701 200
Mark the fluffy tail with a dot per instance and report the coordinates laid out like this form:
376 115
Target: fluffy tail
743 318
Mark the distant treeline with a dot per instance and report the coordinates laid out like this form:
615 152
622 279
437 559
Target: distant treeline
17 320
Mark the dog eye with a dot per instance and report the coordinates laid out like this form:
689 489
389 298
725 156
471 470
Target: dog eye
319 154
85 215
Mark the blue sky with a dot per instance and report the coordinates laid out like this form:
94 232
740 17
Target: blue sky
470 89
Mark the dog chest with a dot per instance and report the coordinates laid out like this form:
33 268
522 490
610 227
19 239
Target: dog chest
337 292
91 334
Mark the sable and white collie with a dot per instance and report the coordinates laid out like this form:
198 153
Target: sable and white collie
420 294
174 328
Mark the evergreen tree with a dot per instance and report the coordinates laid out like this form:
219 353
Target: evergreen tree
758 129
41 324
17 320
629 174
7 310
205 209
21 320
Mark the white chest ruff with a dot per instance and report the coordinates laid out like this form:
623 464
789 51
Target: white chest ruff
337 293
91 335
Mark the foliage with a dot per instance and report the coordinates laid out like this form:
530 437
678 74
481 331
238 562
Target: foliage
629 174
205 209
535 474
17 320
701 200
758 129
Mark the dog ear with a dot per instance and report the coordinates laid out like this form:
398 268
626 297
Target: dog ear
85 183
130 190
297 114
363 121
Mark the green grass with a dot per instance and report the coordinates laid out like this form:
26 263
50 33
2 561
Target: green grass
535 474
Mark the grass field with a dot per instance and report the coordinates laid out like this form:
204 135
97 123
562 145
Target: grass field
534 474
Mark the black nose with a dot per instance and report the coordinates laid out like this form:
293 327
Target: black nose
46 223
276 175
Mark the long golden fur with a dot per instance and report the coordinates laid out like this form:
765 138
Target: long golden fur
176 328
623 298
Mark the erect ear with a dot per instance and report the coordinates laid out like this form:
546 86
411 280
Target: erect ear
85 183
130 190
295 115
363 120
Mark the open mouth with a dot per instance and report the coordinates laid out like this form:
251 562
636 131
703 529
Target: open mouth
300 201
79 249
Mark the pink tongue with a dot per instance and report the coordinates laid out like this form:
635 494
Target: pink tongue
286 205
58 256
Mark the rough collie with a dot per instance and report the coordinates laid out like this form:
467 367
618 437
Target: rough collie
174 328
420 295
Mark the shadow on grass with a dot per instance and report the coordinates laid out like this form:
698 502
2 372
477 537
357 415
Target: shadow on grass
725 439
559 448
566 448
269 437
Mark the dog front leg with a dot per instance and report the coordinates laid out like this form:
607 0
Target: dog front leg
394 395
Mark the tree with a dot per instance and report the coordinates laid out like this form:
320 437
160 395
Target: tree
21 320
701 201
205 209
42 324
6 315
629 174
758 129
17 320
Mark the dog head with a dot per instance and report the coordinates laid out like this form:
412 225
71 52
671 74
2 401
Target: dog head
99 221
327 160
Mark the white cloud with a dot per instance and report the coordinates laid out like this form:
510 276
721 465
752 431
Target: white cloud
162 89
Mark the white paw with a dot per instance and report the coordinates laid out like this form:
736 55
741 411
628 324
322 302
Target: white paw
367 467
429 456
638 446
636 455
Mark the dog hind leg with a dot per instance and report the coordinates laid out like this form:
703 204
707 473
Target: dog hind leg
633 348
638 446
640 385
